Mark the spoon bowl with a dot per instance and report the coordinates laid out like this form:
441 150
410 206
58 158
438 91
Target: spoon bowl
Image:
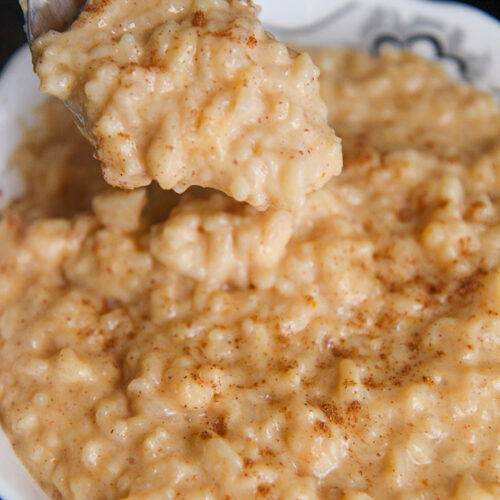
45 15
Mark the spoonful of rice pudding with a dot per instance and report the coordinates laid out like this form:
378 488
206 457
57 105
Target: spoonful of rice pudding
192 93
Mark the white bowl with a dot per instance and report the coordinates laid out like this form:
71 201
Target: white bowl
464 39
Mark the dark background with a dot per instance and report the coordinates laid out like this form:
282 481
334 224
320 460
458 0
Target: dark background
12 34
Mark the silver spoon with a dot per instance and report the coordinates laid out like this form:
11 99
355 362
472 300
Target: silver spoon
58 15
45 15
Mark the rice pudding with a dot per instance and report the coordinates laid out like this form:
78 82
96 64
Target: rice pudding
193 93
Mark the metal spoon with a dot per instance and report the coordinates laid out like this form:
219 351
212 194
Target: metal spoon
44 15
